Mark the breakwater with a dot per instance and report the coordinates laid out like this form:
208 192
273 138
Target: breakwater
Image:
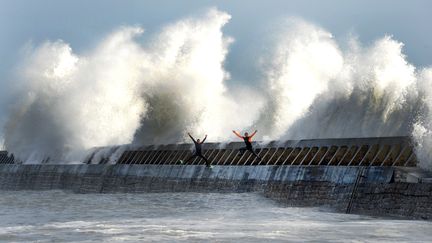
374 176
387 191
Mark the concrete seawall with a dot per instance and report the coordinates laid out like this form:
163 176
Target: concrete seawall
354 189
382 151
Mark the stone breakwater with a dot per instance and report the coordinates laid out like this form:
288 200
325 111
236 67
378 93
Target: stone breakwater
384 191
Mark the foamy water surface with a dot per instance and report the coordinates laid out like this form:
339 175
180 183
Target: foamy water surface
57 216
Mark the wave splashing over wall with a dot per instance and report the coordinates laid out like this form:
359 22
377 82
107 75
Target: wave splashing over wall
316 89
129 90
123 91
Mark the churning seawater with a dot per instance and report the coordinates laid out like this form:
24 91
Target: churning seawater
57 216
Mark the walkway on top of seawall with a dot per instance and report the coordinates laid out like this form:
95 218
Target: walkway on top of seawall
382 151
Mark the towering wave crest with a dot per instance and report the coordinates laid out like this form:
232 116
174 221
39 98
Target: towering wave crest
70 103
372 95
422 128
123 91
318 90
150 92
188 90
303 63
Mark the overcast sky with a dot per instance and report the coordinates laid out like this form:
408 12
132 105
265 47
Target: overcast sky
82 23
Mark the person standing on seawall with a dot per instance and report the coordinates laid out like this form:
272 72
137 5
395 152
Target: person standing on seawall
198 151
248 142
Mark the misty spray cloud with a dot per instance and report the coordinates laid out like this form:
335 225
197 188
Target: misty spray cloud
154 91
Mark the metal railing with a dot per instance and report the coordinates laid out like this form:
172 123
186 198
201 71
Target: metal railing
386 151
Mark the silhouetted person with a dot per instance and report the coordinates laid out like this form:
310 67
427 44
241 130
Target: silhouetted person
248 142
198 150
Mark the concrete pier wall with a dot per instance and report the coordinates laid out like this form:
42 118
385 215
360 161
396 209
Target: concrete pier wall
382 151
376 176
366 190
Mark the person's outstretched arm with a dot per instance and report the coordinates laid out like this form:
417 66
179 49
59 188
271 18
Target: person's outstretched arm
237 134
191 137
205 137
253 134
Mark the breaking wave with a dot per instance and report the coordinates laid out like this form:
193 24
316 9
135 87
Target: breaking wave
318 90
128 90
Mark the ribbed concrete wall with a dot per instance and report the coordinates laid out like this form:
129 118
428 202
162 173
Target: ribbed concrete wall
5 158
387 151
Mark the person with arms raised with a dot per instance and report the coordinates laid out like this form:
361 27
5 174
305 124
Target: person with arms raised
198 151
248 142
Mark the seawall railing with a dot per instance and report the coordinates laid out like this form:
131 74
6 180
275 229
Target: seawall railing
387 151
383 151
